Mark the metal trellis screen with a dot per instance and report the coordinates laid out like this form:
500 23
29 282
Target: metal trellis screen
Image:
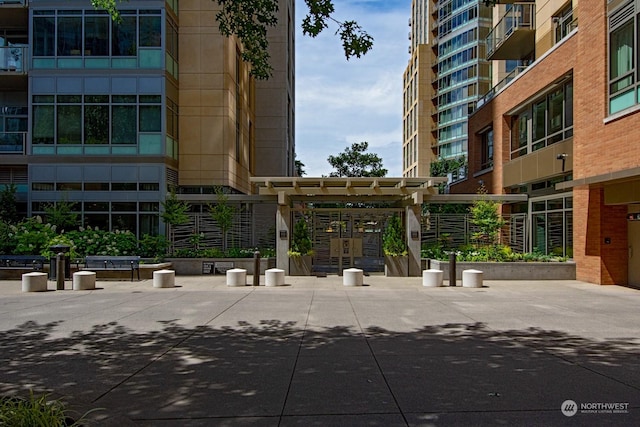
455 230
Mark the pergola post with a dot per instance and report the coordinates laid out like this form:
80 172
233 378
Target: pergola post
413 232
283 234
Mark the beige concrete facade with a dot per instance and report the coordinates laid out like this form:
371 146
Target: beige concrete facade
227 120
419 111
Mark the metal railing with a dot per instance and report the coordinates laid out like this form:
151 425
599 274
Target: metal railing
14 58
519 16
502 83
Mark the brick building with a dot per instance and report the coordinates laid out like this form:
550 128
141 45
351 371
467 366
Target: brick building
564 131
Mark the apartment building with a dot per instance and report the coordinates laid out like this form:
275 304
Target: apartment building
563 131
446 74
110 115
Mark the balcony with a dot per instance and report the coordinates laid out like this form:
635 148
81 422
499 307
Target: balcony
497 88
514 36
13 142
13 58
14 13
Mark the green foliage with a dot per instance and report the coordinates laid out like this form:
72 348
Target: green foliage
485 216
393 243
8 203
442 167
61 215
174 211
222 214
301 240
7 243
492 253
153 246
249 20
60 239
93 241
356 162
31 236
36 411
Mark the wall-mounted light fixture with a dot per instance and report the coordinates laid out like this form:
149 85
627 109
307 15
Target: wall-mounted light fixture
563 157
283 234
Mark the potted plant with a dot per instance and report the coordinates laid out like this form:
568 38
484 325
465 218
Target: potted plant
396 261
300 253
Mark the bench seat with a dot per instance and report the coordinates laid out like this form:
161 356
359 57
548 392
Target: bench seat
113 263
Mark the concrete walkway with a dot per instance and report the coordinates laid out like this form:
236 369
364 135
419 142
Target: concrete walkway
314 353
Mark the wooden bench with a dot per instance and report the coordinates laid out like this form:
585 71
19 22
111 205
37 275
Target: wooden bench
22 262
112 263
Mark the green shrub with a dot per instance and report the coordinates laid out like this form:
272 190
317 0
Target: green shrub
153 246
393 243
31 236
36 411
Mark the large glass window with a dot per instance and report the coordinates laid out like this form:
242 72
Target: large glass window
44 36
552 225
623 59
70 36
487 150
544 122
95 119
96 36
124 37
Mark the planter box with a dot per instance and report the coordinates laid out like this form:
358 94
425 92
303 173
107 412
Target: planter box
199 266
300 265
396 266
512 270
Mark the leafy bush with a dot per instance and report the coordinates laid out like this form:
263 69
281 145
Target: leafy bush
393 243
32 236
301 240
492 253
93 241
153 246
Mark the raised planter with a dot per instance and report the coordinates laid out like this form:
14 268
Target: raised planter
199 266
512 270
300 265
396 266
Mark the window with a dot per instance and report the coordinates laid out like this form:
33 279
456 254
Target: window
622 59
95 119
544 122
552 225
487 150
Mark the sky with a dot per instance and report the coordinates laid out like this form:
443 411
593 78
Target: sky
340 102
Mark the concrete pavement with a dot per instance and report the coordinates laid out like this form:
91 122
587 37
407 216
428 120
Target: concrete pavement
314 353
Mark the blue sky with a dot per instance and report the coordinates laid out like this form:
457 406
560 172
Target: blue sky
339 102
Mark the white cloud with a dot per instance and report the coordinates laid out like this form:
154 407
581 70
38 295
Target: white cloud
339 102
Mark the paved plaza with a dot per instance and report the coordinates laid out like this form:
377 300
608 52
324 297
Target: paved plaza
316 353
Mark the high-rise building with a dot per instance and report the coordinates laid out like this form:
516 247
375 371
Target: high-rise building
563 131
111 114
438 100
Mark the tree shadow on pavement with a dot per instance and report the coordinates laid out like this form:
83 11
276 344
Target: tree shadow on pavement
273 370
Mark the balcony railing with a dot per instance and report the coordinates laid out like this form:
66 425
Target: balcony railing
14 58
13 2
519 19
505 81
13 142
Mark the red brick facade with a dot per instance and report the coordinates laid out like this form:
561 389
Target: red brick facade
601 145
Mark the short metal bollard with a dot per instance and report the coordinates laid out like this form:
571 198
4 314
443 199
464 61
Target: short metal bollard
60 271
256 268
452 269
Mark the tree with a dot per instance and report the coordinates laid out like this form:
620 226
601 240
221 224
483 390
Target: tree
486 216
8 203
355 162
249 20
222 214
61 215
300 168
174 211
